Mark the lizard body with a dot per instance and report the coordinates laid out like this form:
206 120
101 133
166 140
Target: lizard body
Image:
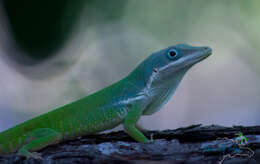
142 92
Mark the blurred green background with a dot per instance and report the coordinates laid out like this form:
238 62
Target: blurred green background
54 52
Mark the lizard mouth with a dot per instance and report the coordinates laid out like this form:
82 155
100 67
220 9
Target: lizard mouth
206 53
197 57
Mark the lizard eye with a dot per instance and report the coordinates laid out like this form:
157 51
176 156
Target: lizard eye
172 53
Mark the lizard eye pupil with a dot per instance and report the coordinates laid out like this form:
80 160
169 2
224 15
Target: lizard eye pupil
172 54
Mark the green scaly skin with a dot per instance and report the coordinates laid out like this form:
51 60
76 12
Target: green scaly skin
142 92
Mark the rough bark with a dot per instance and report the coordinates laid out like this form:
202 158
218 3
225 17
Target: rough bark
193 144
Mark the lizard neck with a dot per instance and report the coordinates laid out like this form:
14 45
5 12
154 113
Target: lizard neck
162 91
135 88
152 95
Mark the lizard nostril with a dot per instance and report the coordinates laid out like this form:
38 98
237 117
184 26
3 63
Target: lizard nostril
208 49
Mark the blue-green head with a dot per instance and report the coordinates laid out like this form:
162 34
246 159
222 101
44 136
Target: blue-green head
172 62
162 71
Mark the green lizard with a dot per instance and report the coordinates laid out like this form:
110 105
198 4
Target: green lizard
142 92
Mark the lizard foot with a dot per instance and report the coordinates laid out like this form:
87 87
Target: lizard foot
28 155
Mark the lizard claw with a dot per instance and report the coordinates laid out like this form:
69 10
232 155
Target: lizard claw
34 155
151 136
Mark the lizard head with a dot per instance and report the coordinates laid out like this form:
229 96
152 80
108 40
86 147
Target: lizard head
173 62
163 71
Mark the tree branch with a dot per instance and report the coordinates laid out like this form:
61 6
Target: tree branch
193 144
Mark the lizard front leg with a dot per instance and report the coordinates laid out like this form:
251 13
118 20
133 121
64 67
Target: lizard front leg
130 121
